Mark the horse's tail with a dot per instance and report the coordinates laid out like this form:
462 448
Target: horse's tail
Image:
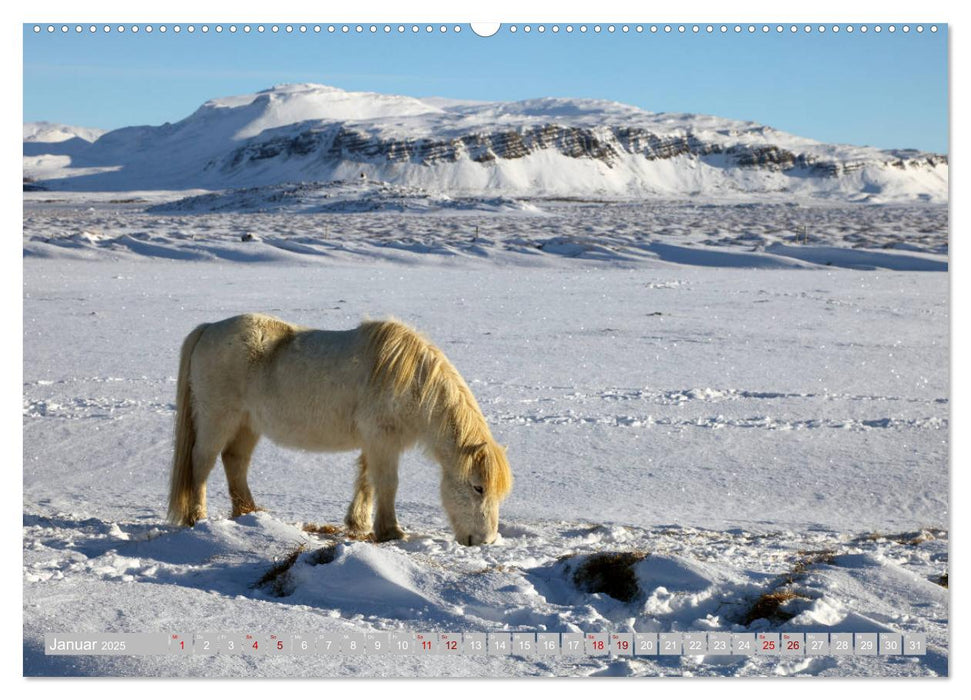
180 489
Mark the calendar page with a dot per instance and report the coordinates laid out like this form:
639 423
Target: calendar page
380 347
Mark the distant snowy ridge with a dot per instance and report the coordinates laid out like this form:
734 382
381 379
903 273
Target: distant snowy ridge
47 132
51 148
537 147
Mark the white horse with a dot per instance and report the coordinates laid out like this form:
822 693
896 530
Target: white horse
380 388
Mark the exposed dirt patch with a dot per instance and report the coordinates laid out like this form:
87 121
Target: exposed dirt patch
611 573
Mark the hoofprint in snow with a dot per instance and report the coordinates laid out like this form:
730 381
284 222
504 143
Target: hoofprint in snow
767 448
548 147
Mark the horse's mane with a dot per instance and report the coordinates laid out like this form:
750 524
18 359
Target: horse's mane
406 363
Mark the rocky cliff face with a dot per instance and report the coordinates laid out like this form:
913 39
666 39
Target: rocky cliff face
337 143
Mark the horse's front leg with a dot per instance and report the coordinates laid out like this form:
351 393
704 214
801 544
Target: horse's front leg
383 474
358 518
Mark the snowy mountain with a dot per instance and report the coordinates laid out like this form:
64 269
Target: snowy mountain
539 147
47 132
50 149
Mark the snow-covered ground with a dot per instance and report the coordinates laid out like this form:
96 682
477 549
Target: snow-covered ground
716 388
367 221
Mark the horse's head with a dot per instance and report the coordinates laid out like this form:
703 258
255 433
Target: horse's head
472 491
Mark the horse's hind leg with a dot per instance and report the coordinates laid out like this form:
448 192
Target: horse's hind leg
358 518
211 437
203 460
236 456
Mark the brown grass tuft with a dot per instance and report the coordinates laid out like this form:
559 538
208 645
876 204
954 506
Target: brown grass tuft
911 539
812 558
334 531
769 607
317 529
276 579
611 573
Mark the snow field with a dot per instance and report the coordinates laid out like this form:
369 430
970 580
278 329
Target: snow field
729 423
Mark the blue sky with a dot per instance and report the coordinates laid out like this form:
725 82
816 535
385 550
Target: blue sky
879 89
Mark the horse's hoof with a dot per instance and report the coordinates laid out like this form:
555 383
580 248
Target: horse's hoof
367 535
392 534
